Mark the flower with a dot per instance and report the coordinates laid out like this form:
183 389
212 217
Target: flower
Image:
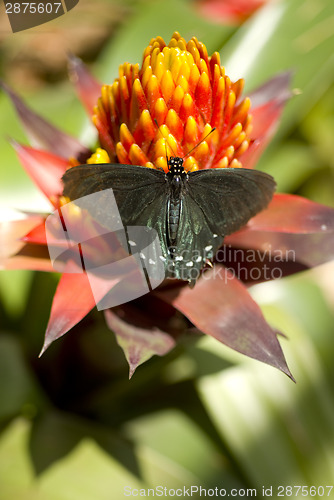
188 94
229 11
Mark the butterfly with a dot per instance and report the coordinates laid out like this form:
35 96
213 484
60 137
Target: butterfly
191 212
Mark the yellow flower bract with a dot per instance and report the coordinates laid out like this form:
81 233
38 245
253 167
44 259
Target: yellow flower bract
168 105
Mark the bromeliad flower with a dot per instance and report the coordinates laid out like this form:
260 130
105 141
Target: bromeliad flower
186 92
229 11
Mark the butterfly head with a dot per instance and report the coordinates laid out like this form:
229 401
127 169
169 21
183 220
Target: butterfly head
175 165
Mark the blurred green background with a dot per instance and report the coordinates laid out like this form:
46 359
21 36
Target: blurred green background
72 427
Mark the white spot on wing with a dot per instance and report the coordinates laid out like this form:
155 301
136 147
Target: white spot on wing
132 243
208 248
178 257
190 263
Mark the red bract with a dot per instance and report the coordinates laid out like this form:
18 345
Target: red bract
188 93
229 11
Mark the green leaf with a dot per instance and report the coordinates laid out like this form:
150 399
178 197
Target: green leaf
291 164
318 127
16 476
54 435
14 289
185 444
158 18
17 387
287 35
280 433
87 472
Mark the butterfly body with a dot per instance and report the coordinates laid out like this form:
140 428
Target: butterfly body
192 212
177 178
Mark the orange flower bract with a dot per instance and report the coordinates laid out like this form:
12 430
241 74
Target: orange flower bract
184 91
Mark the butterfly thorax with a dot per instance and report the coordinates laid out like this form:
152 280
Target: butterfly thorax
177 178
176 175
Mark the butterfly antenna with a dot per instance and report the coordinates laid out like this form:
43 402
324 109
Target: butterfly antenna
200 142
166 149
